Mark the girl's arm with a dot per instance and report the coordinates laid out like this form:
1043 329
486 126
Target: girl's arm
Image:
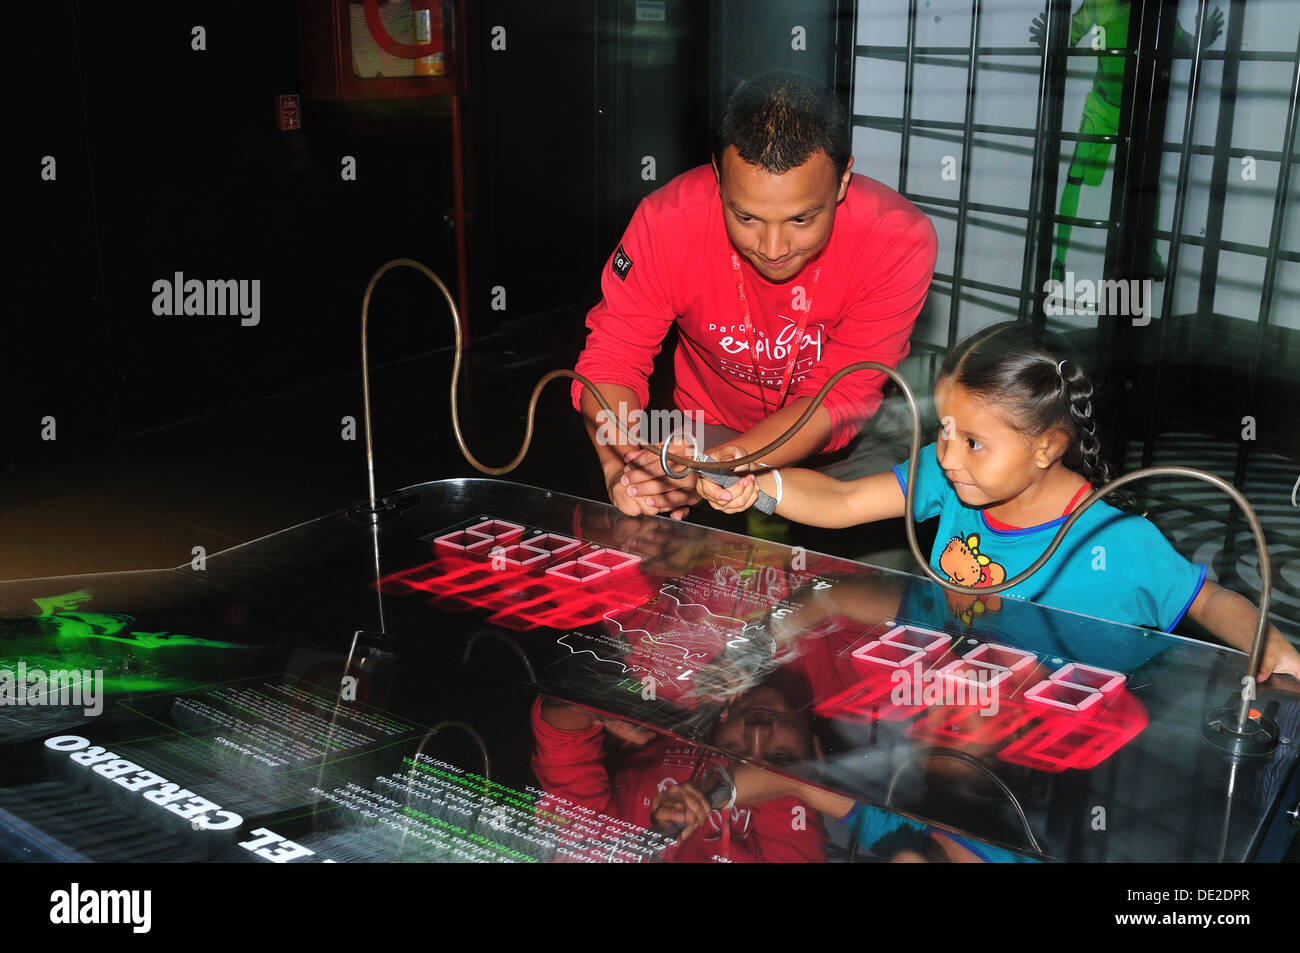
1232 618
684 804
754 785
809 497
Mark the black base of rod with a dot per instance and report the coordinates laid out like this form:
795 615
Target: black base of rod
1258 740
385 508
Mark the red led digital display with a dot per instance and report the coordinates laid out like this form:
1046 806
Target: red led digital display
526 578
945 690
991 696
875 698
958 725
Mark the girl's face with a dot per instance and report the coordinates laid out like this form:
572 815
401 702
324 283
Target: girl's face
986 460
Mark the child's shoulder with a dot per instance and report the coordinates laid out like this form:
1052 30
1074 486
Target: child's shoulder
1104 520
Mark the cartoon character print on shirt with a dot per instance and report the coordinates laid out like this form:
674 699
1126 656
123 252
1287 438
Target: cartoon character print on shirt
964 564
770 355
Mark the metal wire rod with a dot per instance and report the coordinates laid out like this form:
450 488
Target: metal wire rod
688 465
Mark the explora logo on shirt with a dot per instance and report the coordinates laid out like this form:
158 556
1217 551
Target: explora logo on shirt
621 264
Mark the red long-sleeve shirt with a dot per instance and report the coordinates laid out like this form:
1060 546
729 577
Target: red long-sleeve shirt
674 263
572 764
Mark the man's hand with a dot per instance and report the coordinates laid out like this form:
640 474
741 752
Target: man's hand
640 489
616 484
680 806
564 716
568 717
720 681
644 482
636 490
672 549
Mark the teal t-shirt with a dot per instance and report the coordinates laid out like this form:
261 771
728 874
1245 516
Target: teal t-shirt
1111 565
885 834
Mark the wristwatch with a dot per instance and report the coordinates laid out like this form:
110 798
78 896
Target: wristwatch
719 788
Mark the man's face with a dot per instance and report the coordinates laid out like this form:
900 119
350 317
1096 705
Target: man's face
762 724
780 222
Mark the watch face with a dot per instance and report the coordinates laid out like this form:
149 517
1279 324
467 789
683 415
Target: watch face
721 790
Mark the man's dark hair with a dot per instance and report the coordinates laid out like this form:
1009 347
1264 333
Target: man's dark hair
779 119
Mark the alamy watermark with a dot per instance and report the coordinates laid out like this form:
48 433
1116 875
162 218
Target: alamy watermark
75 905
1128 298
182 296
650 426
971 687
66 688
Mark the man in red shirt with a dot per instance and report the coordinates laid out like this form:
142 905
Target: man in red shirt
779 267
622 774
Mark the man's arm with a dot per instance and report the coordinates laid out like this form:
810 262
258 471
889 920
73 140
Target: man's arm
627 330
569 754
611 444
685 805
806 443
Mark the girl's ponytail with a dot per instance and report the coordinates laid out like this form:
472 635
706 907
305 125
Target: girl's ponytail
1084 456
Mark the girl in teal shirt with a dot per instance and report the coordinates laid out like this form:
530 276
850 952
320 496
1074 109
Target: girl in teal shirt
1017 450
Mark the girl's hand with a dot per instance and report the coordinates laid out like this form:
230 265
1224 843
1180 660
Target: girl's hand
1279 656
735 498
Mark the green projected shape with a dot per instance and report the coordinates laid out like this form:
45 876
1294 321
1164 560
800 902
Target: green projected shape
1110 20
132 660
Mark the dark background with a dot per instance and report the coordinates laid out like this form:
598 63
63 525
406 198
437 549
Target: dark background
169 160
175 431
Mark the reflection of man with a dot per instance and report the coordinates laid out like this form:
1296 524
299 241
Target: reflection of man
1101 108
778 267
769 723
889 836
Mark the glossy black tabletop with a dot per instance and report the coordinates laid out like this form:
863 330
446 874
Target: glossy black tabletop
501 673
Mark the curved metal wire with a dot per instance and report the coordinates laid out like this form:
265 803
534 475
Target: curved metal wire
730 466
975 763
510 642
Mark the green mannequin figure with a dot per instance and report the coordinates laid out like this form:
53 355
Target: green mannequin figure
1101 108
